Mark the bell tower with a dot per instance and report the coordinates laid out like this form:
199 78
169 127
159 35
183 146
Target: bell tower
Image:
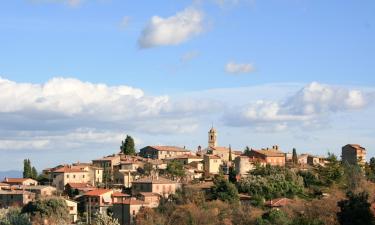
212 137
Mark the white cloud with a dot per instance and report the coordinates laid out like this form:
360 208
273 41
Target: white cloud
125 22
173 30
239 68
307 107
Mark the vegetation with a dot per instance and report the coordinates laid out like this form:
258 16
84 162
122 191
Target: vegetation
355 210
294 157
175 170
127 147
54 210
28 171
272 182
224 190
13 216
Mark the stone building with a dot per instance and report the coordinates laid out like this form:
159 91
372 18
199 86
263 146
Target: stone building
162 152
353 154
272 156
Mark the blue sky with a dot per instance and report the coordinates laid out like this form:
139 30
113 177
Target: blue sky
299 73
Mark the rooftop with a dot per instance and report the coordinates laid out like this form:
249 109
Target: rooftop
154 180
169 148
16 180
97 192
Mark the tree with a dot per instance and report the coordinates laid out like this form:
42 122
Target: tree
274 217
102 219
127 146
13 216
295 157
27 171
355 210
175 169
232 174
34 173
247 151
224 190
54 210
370 170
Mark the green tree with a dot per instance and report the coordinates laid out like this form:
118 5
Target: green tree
127 146
355 210
27 173
274 217
332 172
13 216
370 170
34 173
52 209
232 174
224 190
175 169
247 151
294 157
102 219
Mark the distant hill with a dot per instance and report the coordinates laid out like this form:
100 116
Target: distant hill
10 173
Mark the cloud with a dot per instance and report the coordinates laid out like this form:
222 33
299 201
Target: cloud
125 22
307 107
239 68
70 103
71 3
173 30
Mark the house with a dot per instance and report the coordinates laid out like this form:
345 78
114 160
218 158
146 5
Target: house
155 184
162 152
40 190
73 189
126 211
69 174
19 198
97 201
316 160
223 152
302 159
107 163
354 154
4 186
212 164
244 164
185 159
73 210
272 156
152 199
119 197
20 181
123 178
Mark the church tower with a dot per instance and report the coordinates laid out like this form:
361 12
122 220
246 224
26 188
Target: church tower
212 136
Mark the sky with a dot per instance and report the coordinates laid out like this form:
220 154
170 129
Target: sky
77 76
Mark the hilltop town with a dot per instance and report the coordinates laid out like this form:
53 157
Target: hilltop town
145 187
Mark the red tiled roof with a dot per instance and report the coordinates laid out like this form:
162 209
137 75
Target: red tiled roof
131 201
357 146
270 152
169 148
79 185
69 169
213 157
16 180
97 192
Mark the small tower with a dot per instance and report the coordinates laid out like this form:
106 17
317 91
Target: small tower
212 135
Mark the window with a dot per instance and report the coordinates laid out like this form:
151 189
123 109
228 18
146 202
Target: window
83 176
74 176
67 176
133 212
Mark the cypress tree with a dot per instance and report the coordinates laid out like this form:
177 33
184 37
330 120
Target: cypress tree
294 157
127 146
26 168
34 173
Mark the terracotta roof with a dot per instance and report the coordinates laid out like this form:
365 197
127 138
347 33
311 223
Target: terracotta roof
237 152
185 156
154 180
169 148
69 169
16 180
97 192
213 156
119 194
4 184
79 185
131 201
270 152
